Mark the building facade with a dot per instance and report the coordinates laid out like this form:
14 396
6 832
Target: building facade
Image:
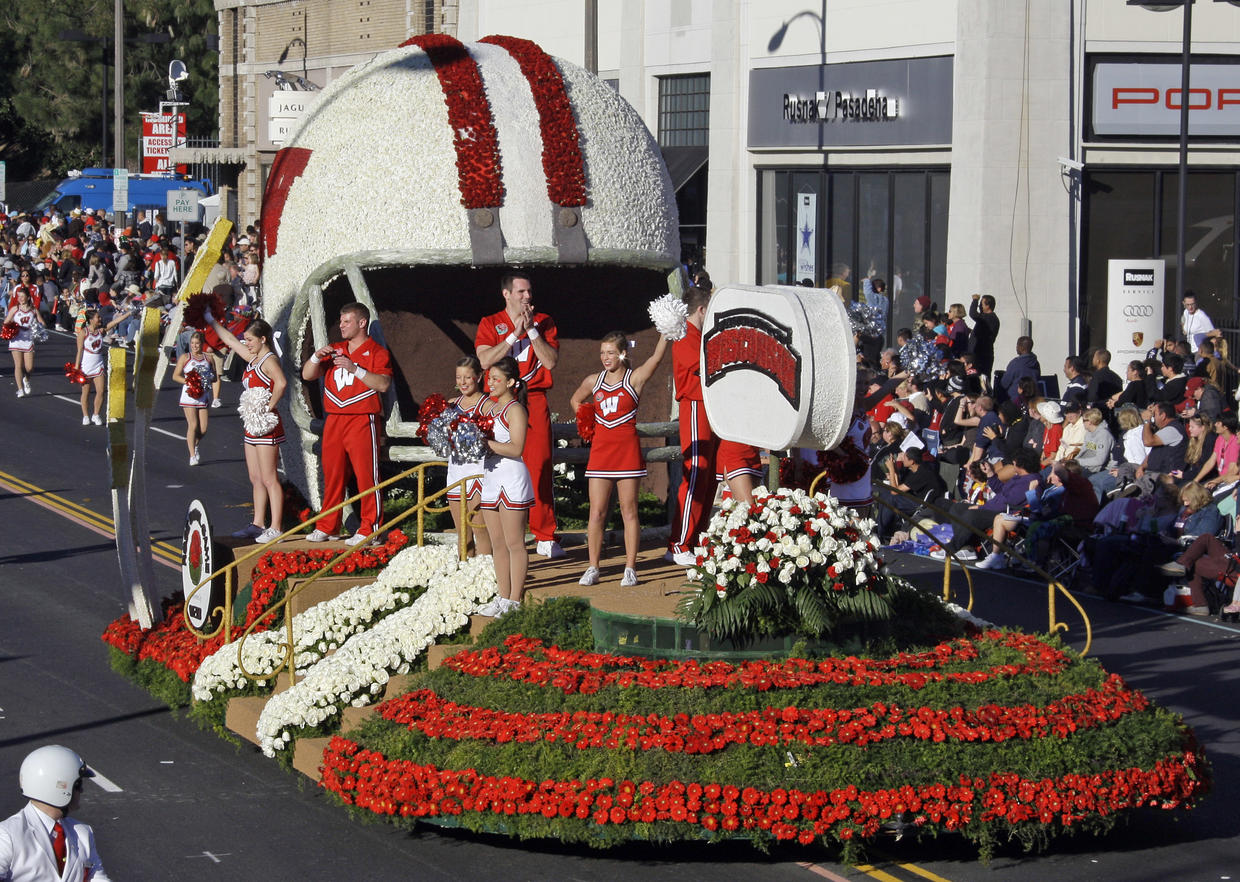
951 147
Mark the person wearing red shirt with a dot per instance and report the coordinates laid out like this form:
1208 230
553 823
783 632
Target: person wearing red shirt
698 444
26 284
356 373
529 337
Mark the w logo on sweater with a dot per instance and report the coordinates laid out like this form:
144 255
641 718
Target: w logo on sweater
608 406
343 378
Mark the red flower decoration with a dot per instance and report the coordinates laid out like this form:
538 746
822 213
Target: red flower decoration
585 421
469 113
561 158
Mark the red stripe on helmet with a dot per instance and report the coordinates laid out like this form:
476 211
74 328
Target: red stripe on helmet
562 161
288 165
469 113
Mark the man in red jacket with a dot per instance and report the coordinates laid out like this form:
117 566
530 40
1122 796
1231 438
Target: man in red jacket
356 373
698 444
529 337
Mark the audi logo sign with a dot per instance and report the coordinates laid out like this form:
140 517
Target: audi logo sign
1135 291
1145 99
1138 311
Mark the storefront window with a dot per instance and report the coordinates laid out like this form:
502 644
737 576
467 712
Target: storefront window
1120 211
894 222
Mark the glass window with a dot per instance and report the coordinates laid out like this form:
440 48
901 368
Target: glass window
684 111
773 229
936 218
1120 212
908 242
843 222
1209 243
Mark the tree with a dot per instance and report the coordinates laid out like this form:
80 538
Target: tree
53 118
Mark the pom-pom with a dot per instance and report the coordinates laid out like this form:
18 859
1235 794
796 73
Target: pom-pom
469 442
196 308
9 330
669 315
194 385
255 416
919 357
75 374
438 434
585 421
486 422
867 320
39 334
432 406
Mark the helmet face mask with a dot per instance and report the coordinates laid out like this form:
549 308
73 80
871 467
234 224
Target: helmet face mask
51 774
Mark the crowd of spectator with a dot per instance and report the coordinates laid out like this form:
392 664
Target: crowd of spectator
1125 471
79 261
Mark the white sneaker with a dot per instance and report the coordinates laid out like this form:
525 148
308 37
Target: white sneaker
26 385
994 561
267 535
217 403
589 577
684 559
96 420
321 536
21 393
490 609
630 578
193 460
85 420
505 607
549 548
359 539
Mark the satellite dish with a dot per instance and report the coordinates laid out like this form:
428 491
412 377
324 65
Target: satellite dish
177 72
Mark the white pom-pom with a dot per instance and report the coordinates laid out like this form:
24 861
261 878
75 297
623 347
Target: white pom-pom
669 315
255 416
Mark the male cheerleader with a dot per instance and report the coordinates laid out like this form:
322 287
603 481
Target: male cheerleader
356 373
529 337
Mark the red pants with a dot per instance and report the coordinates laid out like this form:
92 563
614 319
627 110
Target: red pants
351 444
537 458
698 445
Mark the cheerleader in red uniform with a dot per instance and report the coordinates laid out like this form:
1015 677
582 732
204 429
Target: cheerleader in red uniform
91 361
615 455
262 452
198 361
467 403
26 316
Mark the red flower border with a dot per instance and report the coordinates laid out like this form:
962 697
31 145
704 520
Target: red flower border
529 660
436 717
367 779
474 137
562 161
175 647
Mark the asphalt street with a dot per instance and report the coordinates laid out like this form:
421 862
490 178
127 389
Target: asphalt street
177 802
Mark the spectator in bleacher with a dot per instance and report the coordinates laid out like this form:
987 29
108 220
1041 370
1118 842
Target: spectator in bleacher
1050 415
1174 384
1023 365
1104 383
957 331
1204 398
1016 475
1194 322
1198 450
1097 444
1072 438
914 472
1078 380
1224 462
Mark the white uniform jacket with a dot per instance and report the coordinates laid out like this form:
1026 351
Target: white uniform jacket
26 850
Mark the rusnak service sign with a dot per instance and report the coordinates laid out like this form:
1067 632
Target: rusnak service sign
1144 98
1135 291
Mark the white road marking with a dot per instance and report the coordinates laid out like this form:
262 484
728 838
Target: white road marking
76 403
214 858
104 782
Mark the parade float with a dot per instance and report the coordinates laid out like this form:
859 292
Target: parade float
809 695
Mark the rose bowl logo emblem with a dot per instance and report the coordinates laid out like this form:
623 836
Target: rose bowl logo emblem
197 565
778 367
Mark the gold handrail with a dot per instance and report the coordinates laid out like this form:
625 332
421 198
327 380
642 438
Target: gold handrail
287 647
1053 585
228 571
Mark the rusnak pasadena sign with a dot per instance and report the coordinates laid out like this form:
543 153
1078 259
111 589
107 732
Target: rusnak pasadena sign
860 103
1144 99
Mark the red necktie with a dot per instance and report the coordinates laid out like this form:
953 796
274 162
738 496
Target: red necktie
58 846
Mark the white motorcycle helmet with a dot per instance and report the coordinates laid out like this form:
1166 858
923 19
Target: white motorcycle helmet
50 773
527 161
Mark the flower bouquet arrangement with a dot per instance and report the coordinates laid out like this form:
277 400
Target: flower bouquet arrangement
790 563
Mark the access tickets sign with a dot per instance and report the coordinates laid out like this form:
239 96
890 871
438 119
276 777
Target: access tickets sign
160 133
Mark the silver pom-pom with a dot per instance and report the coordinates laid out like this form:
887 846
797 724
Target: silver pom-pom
255 416
38 334
438 434
919 357
669 315
867 320
468 443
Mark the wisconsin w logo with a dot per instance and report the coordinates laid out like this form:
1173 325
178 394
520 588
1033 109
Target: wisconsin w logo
610 405
344 378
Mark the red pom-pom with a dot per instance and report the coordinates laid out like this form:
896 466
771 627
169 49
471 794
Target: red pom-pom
486 422
9 330
75 374
585 421
194 385
196 307
432 406
70 370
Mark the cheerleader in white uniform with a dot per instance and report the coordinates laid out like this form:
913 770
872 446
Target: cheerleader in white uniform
507 492
196 360
23 313
91 361
468 383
